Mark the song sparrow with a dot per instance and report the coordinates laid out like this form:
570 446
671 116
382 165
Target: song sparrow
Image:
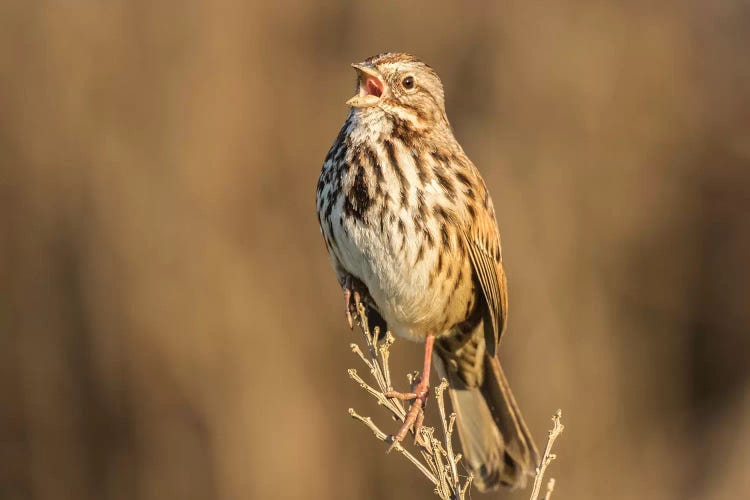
410 228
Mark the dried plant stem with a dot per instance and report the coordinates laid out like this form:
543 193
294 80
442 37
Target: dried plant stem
550 488
438 462
433 457
384 437
557 428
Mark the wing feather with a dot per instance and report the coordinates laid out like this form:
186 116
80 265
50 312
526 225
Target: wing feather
483 244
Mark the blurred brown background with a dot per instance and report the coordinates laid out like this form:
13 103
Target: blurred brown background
169 324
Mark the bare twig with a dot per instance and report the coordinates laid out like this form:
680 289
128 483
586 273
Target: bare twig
447 426
439 464
557 428
550 488
384 437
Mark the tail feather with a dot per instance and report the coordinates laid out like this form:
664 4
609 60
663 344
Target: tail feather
519 444
496 443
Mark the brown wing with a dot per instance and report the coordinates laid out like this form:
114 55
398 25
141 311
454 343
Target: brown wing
482 240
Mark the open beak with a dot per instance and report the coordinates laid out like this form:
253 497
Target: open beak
371 86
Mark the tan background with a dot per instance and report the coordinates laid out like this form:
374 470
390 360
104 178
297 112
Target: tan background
169 324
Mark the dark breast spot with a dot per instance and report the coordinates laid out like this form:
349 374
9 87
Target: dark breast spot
420 254
329 209
429 240
445 182
440 213
463 179
376 166
358 201
422 171
439 157
459 278
398 169
445 235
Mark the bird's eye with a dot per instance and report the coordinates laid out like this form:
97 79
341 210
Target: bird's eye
408 82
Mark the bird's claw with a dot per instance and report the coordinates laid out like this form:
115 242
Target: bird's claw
415 415
351 293
347 302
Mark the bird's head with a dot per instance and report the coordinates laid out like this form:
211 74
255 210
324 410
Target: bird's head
401 81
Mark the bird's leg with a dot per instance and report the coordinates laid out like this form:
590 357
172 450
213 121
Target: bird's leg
415 415
350 292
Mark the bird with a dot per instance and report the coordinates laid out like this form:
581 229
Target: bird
410 230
